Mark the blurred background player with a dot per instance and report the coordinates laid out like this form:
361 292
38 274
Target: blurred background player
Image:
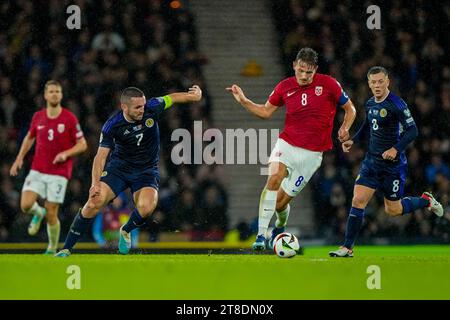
58 138
311 100
133 137
392 129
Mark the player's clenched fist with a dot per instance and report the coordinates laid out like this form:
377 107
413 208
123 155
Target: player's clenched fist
195 93
94 191
17 165
237 92
343 134
60 157
347 145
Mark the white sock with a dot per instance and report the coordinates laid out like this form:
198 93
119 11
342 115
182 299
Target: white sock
282 217
267 206
53 235
36 209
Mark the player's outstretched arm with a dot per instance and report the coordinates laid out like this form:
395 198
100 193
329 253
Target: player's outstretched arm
263 111
349 118
79 147
193 95
27 143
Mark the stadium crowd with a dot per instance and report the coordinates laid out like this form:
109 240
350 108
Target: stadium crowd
147 44
411 44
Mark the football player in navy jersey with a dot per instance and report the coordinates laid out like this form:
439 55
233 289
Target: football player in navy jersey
127 157
391 128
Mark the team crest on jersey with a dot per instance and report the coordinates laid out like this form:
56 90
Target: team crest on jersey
61 127
149 122
319 90
383 113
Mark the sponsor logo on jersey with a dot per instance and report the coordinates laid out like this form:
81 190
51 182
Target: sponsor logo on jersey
319 90
393 195
149 122
126 132
40 127
278 154
375 112
138 127
290 93
104 173
407 113
383 113
61 127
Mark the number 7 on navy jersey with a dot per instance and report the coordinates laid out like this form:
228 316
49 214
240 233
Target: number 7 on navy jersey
139 138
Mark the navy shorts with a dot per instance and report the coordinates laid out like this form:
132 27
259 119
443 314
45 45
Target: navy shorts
381 175
119 179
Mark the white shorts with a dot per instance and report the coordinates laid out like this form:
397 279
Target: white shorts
301 165
47 186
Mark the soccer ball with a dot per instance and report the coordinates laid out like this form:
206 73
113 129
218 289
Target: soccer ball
286 245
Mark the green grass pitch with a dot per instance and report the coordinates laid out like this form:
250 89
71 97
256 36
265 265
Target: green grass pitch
406 272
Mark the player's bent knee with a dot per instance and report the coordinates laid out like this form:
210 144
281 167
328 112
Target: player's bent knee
393 211
94 204
359 202
25 207
145 209
274 182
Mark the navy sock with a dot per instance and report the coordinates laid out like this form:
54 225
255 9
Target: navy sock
410 204
135 221
354 223
77 229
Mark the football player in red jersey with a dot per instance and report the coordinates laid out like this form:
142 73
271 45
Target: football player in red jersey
58 138
311 101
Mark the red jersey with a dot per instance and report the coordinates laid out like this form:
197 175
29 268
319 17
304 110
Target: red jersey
52 137
310 111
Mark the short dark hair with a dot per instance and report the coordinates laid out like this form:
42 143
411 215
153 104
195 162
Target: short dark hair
52 83
130 92
309 56
377 69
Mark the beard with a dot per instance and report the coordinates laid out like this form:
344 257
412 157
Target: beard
54 104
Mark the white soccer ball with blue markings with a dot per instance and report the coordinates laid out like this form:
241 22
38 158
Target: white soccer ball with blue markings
286 245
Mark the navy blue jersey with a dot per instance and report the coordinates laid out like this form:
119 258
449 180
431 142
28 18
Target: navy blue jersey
387 120
134 145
